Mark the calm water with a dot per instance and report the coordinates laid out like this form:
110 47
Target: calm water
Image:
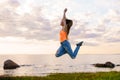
40 65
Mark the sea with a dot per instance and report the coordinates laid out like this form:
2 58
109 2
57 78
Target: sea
45 64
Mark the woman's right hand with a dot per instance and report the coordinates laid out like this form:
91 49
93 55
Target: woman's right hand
65 10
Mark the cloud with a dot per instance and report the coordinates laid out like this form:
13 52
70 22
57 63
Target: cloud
105 30
86 43
107 4
30 25
35 25
14 3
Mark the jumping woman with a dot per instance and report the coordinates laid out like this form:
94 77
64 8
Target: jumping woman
65 44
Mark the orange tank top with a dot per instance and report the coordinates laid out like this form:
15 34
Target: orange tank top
63 36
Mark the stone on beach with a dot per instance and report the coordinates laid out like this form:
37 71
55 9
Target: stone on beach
105 65
9 64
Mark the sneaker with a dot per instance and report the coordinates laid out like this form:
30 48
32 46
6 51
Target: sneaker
79 44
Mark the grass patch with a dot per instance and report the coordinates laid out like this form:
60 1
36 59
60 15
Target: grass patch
70 76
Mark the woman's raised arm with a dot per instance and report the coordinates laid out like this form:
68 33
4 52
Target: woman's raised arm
63 22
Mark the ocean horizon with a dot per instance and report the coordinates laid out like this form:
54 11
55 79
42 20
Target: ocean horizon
44 64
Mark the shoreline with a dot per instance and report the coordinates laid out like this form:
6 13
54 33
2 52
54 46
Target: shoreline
113 75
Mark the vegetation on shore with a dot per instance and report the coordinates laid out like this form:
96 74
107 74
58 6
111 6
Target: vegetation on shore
70 76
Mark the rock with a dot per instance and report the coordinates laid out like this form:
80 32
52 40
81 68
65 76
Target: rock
99 65
9 64
118 65
106 65
109 64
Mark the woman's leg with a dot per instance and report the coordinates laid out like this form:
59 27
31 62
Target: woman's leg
77 48
68 48
76 51
61 51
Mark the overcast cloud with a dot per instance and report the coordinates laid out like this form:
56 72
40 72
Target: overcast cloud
35 25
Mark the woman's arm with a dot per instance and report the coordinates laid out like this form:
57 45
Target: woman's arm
63 22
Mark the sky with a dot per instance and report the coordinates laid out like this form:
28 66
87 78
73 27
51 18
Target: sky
32 26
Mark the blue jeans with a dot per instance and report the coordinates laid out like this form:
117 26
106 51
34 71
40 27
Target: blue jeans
66 48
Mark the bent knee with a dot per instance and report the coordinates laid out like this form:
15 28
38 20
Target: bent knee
73 57
56 54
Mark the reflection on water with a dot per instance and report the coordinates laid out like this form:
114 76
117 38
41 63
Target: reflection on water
41 65
9 72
